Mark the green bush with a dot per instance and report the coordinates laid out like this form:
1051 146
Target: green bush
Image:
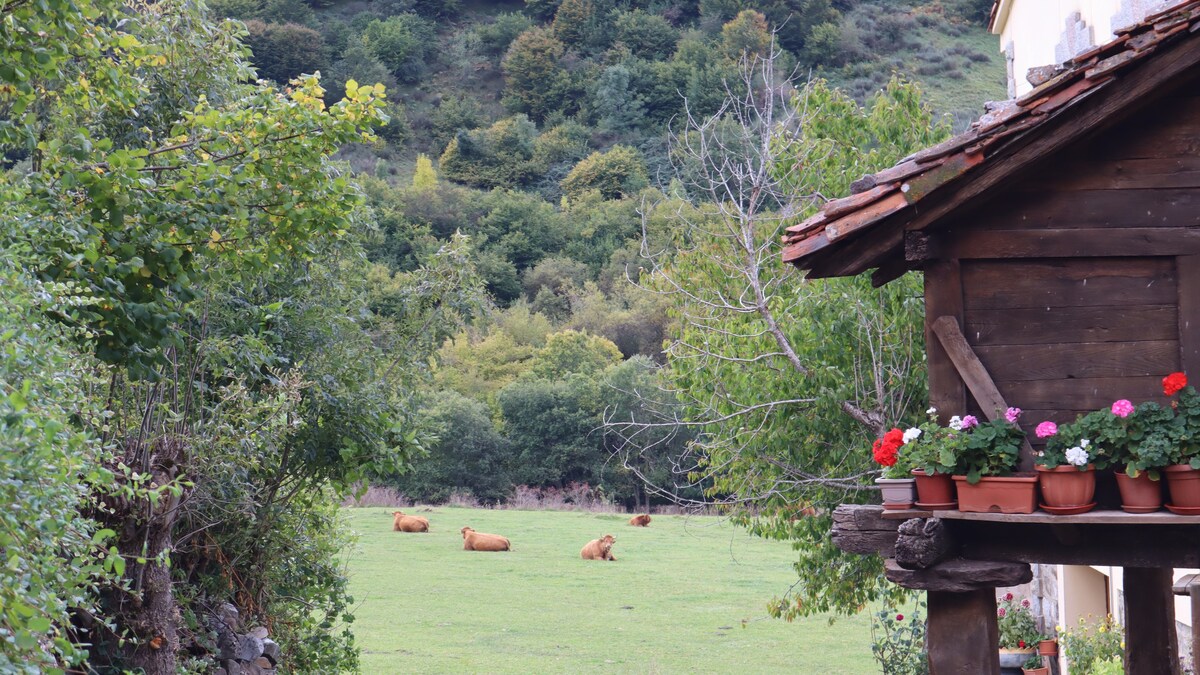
285 51
620 171
898 642
1090 646
46 462
401 43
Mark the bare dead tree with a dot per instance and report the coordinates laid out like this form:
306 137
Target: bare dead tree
736 303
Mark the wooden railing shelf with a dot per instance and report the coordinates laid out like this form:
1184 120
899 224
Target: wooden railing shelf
1096 517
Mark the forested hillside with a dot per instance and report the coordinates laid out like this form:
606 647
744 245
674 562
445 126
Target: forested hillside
540 130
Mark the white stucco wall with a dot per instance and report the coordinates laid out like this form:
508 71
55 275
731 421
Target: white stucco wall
1045 32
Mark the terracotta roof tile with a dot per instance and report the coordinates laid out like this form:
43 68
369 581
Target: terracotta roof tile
878 196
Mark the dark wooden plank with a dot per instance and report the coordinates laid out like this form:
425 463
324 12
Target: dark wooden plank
1034 207
1151 646
959 576
1081 360
1079 394
1039 325
1188 272
1144 545
1071 243
1066 282
962 637
943 297
1099 517
1168 130
1124 174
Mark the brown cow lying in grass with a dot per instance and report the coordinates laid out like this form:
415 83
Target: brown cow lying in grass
599 549
642 520
479 541
403 523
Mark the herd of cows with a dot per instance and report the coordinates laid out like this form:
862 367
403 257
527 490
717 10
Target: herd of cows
596 549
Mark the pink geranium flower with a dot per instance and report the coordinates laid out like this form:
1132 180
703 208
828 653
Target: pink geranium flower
1122 408
1011 415
1046 429
970 421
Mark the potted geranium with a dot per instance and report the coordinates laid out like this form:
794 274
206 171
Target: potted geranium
1183 474
988 453
1019 635
934 461
1150 443
1067 466
896 484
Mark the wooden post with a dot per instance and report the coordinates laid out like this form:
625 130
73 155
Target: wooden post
1151 647
963 638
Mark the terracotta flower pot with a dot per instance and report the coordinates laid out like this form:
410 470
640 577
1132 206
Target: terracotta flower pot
993 494
1067 486
1044 670
1183 483
1048 648
934 492
1139 495
898 493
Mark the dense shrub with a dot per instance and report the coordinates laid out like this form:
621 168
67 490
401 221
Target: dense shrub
499 156
284 51
400 43
495 37
620 171
536 81
45 466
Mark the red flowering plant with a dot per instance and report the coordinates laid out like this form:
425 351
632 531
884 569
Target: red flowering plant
889 452
1018 628
1185 401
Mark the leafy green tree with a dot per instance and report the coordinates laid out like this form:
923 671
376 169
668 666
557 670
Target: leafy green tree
357 63
746 36
571 21
536 81
852 352
401 43
495 37
648 36
285 51
618 172
547 423
499 156
542 10
467 452
424 177
617 106
574 353
454 114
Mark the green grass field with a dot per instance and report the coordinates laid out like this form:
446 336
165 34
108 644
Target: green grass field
686 595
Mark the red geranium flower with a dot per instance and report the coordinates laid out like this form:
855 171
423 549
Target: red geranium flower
1173 383
1021 644
885 449
899 617
1008 596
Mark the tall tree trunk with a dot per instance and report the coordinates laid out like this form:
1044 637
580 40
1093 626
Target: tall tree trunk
149 610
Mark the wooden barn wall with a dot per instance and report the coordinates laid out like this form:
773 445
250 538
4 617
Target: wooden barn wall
1079 283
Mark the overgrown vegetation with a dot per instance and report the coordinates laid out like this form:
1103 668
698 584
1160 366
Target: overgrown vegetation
233 290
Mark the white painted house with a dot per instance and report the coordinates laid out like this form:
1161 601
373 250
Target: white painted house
1037 33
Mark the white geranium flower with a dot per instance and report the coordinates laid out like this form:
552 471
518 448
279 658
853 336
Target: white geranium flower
912 435
1083 443
932 411
1077 456
956 423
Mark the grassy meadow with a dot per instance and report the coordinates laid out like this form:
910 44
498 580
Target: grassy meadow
686 595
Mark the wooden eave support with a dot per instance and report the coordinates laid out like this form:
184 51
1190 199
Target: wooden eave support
976 377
